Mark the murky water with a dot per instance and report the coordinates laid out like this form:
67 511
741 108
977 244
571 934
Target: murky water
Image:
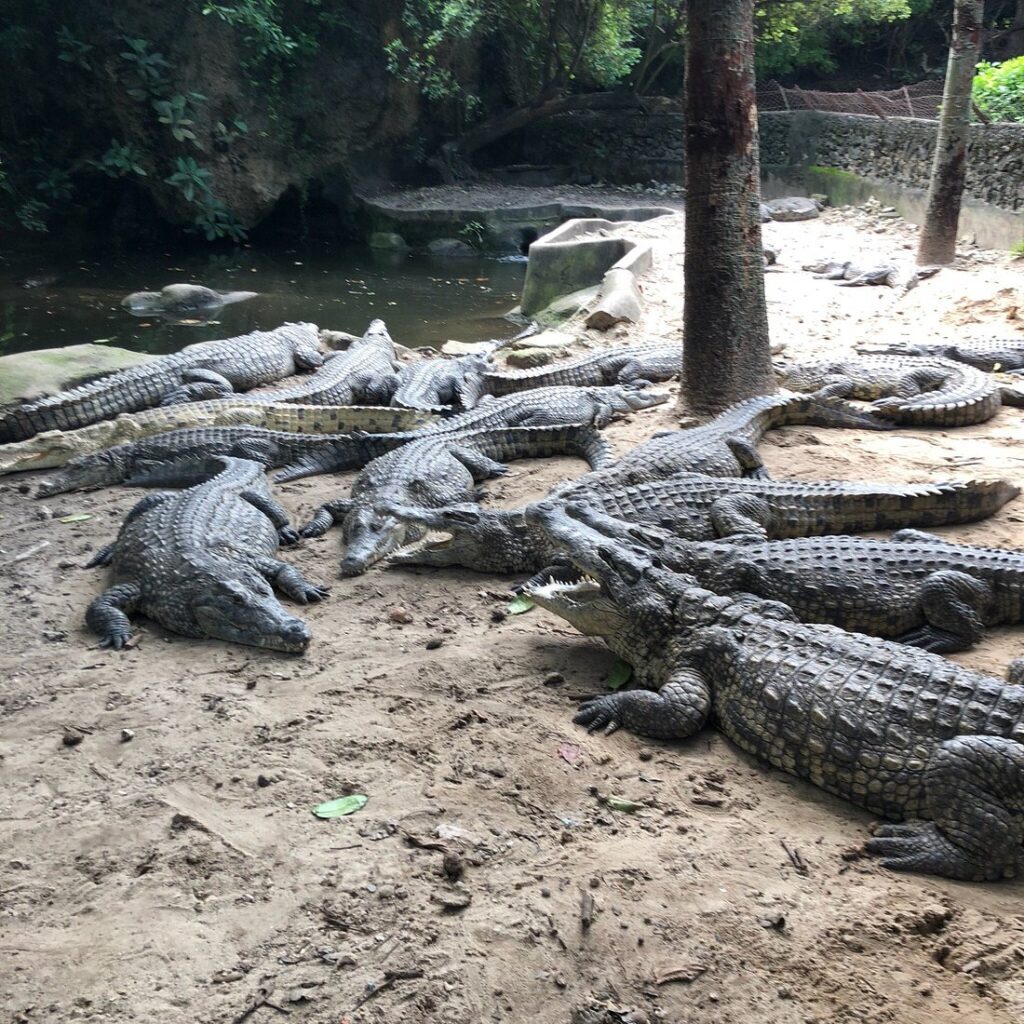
424 300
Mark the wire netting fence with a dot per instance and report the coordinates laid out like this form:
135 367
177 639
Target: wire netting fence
920 100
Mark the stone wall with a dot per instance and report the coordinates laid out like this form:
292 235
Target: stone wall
629 146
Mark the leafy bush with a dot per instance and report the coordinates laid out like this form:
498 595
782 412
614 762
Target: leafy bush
999 89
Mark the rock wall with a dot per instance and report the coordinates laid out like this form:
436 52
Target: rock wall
628 146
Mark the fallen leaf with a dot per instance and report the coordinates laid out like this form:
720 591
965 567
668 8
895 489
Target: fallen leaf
619 675
618 803
519 604
569 752
78 517
682 972
340 807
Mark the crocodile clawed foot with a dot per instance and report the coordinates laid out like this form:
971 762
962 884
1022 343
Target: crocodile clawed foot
599 712
311 593
115 641
920 846
928 638
288 535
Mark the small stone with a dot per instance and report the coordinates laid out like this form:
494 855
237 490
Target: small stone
546 893
262 781
72 738
775 921
433 643
127 735
400 615
498 615
785 992
453 866
554 679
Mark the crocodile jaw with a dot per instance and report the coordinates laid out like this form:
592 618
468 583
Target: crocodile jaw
583 602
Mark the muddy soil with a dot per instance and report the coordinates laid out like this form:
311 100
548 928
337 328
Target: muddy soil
173 872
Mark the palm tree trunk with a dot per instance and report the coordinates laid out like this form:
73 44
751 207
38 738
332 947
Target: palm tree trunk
726 352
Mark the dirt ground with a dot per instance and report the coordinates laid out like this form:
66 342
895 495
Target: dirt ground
175 873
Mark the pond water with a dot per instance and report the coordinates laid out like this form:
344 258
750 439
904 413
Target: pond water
423 300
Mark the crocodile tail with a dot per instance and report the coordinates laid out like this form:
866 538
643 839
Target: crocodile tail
970 500
814 411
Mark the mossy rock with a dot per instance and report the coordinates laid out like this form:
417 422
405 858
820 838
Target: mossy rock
28 375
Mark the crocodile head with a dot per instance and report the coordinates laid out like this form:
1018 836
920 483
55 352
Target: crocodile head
806 377
241 609
633 397
47 450
371 533
487 540
94 470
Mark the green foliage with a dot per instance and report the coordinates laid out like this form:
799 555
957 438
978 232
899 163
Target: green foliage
473 233
1018 249
149 70
177 115
216 221
32 215
801 34
189 178
999 89
224 135
120 160
72 50
56 185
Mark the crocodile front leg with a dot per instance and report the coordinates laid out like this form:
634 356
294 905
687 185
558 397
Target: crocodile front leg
975 795
748 457
107 616
479 465
952 603
327 516
741 514
199 385
286 533
290 581
679 709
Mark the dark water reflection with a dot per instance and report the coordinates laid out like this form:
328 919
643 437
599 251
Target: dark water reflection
424 300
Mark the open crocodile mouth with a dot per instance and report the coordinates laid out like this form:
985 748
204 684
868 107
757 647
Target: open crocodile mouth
433 540
578 593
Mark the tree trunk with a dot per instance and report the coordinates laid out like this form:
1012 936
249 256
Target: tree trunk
726 353
949 167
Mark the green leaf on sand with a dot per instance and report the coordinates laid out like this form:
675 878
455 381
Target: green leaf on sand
340 807
519 604
619 675
618 803
78 517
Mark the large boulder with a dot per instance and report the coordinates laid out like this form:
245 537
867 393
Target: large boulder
28 375
791 208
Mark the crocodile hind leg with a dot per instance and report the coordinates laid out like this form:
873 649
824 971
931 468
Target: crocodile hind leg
107 616
290 581
198 385
741 514
679 709
975 797
286 533
952 603
479 465
326 516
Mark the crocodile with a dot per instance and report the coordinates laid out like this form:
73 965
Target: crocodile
628 365
244 362
542 407
906 390
852 275
904 733
364 374
914 588
702 508
442 385
997 354
301 455
436 471
726 445
54 448
200 561
175 300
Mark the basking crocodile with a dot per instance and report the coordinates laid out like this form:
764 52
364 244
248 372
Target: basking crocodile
54 448
697 507
913 588
852 275
436 471
726 445
906 734
176 300
541 407
243 362
628 365
442 385
906 390
364 374
301 455
200 563
1003 354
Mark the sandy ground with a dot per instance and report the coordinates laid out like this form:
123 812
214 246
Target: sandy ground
176 876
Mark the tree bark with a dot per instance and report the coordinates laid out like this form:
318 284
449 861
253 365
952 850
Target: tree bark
949 166
726 352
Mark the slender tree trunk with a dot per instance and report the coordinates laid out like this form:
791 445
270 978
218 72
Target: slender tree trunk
949 167
726 353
